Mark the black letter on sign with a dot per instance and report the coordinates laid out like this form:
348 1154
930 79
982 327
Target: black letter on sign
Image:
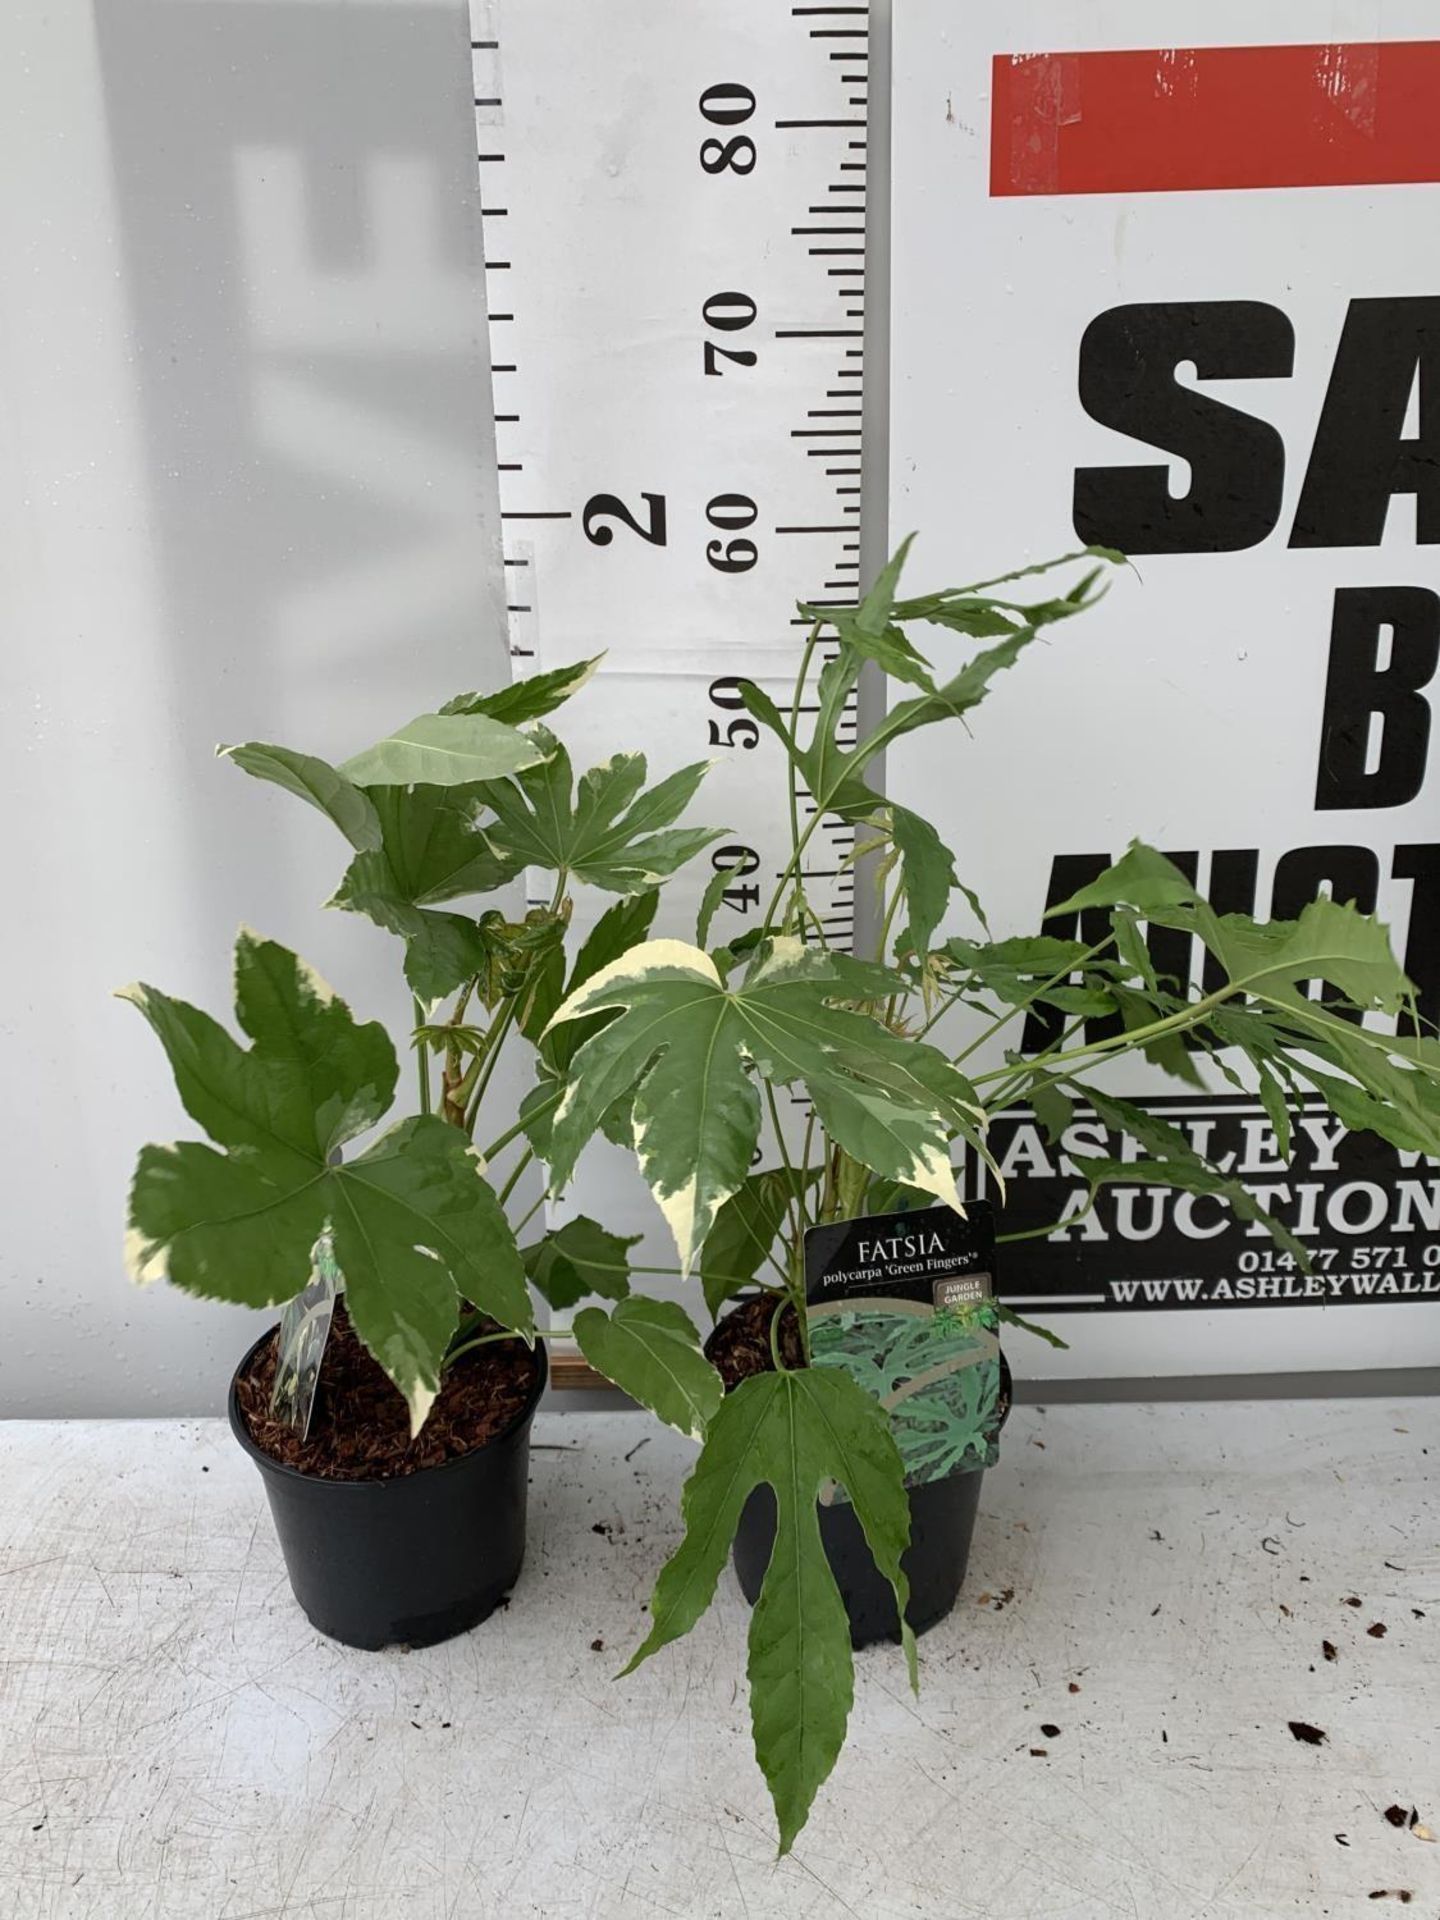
1128 359
1358 689
1359 459
1354 876
1422 943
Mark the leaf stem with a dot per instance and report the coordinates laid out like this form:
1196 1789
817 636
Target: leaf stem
510 1133
775 1354
422 1061
525 1219
515 1172
502 1024
793 1202
1135 1037
1023 1006
489 1339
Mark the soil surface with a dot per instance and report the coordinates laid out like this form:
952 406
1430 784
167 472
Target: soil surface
360 1429
740 1346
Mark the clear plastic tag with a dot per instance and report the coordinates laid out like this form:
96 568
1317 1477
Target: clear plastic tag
304 1329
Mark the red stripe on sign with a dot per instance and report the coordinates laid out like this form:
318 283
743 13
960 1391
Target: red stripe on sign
1188 119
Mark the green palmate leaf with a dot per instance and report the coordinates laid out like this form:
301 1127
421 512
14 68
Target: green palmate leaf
1141 878
1174 1163
431 850
1130 946
414 1225
1053 1109
746 1230
528 699
315 781
1015 971
620 927
1193 1177
927 876
1277 1111
710 902
650 1350
1167 1050
793 1432
908 609
685 1041
444 750
875 609
576 1260
609 833
1264 1005
537 1114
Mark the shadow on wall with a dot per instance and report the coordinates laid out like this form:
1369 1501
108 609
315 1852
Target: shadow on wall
303 265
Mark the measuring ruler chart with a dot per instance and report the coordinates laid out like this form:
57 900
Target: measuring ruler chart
674 203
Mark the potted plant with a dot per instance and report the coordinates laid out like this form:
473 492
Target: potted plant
685 1049
407 1325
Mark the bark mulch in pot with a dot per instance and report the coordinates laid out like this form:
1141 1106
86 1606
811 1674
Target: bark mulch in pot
361 1426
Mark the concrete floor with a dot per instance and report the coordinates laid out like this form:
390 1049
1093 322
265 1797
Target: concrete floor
176 1743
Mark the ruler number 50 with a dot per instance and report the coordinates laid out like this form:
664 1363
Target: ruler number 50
739 732
728 105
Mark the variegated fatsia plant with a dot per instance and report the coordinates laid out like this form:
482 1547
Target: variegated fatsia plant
682 1050
442 813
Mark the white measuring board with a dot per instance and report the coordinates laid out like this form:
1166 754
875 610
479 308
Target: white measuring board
674 213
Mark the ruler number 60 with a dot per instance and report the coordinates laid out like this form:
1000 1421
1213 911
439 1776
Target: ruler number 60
728 313
728 105
609 506
729 512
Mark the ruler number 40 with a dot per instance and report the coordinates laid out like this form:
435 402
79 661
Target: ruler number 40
740 861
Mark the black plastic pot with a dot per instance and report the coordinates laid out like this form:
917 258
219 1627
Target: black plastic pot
412 1560
942 1519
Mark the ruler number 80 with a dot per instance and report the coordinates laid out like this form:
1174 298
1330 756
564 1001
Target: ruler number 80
728 105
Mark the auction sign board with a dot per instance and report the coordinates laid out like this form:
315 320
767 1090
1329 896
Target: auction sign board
1183 299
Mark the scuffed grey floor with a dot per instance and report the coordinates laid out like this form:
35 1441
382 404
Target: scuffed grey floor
1157 1583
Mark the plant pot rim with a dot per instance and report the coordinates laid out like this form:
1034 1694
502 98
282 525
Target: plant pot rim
269 1464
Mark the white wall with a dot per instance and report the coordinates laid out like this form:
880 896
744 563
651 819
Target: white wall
246 489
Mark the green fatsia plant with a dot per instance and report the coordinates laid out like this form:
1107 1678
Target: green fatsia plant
683 1051
446 810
